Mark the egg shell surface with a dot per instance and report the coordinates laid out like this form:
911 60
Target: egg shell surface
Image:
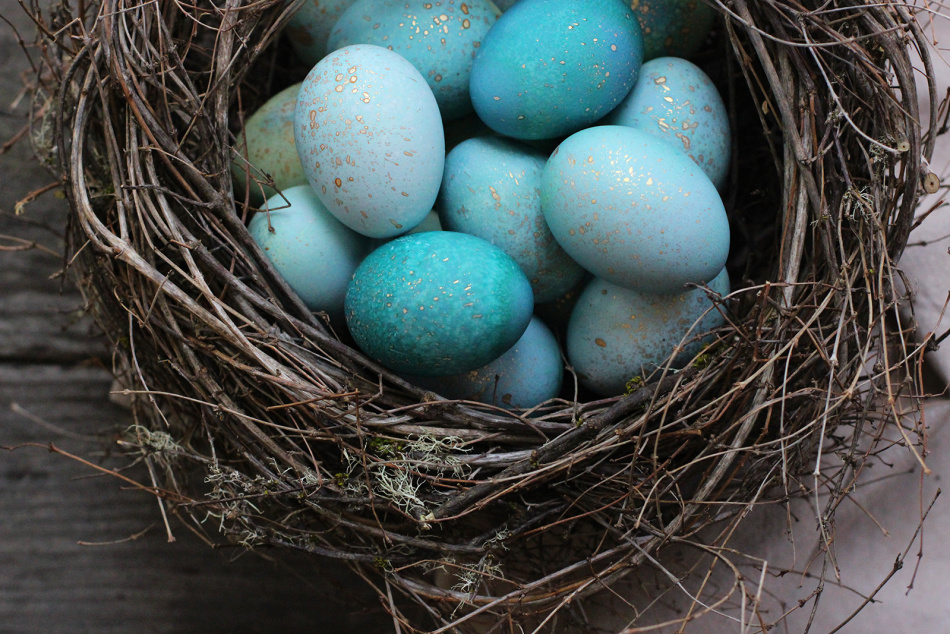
437 303
634 210
313 251
369 136
616 334
676 101
491 188
309 28
528 374
440 38
550 67
675 28
267 144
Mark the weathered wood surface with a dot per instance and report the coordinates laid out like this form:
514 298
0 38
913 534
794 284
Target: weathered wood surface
81 552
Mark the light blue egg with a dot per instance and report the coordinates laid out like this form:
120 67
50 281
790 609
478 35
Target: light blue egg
439 38
675 100
616 334
491 189
550 67
313 251
266 148
673 27
370 139
528 374
309 28
437 303
634 210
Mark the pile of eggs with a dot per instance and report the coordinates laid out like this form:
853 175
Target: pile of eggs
481 272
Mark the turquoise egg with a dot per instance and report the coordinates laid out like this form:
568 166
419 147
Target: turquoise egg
438 37
309 28
313 251
370 139
675 28
634 210
616 334
676 101
491 188
528 374
266 147
437 303
550 67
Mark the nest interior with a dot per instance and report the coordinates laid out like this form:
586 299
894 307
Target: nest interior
251 410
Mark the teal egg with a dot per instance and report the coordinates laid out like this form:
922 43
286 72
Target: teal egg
616 334
550 67
437 303
439 37
266 146
674 28
491 188
676 101
313 251
368 133
634 210
309 28
528 374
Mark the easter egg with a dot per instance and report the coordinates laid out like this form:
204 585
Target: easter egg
550 67
673 27
634 210
309 28
439 38
528 374
491 189
369 136
676 101
266 148
616 334
313 251
437 303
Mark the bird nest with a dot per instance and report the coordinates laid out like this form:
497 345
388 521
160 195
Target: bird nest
250 410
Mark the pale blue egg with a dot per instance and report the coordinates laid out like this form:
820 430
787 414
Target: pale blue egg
313 251
439 37
369 136
673 27
491 189
550 67
616 334
634 210
437 303
675 100
528 374
309 28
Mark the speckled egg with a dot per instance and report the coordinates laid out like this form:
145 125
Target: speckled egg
634 210
309 28
528 374
370 139
616 334
313 251
675 100
675 28
491 188
551 67
437 303
439 38
266 148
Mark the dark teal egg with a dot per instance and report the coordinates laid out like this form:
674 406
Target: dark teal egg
616 334
309 28
674 28
550 67
528 374
437 303
491 188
